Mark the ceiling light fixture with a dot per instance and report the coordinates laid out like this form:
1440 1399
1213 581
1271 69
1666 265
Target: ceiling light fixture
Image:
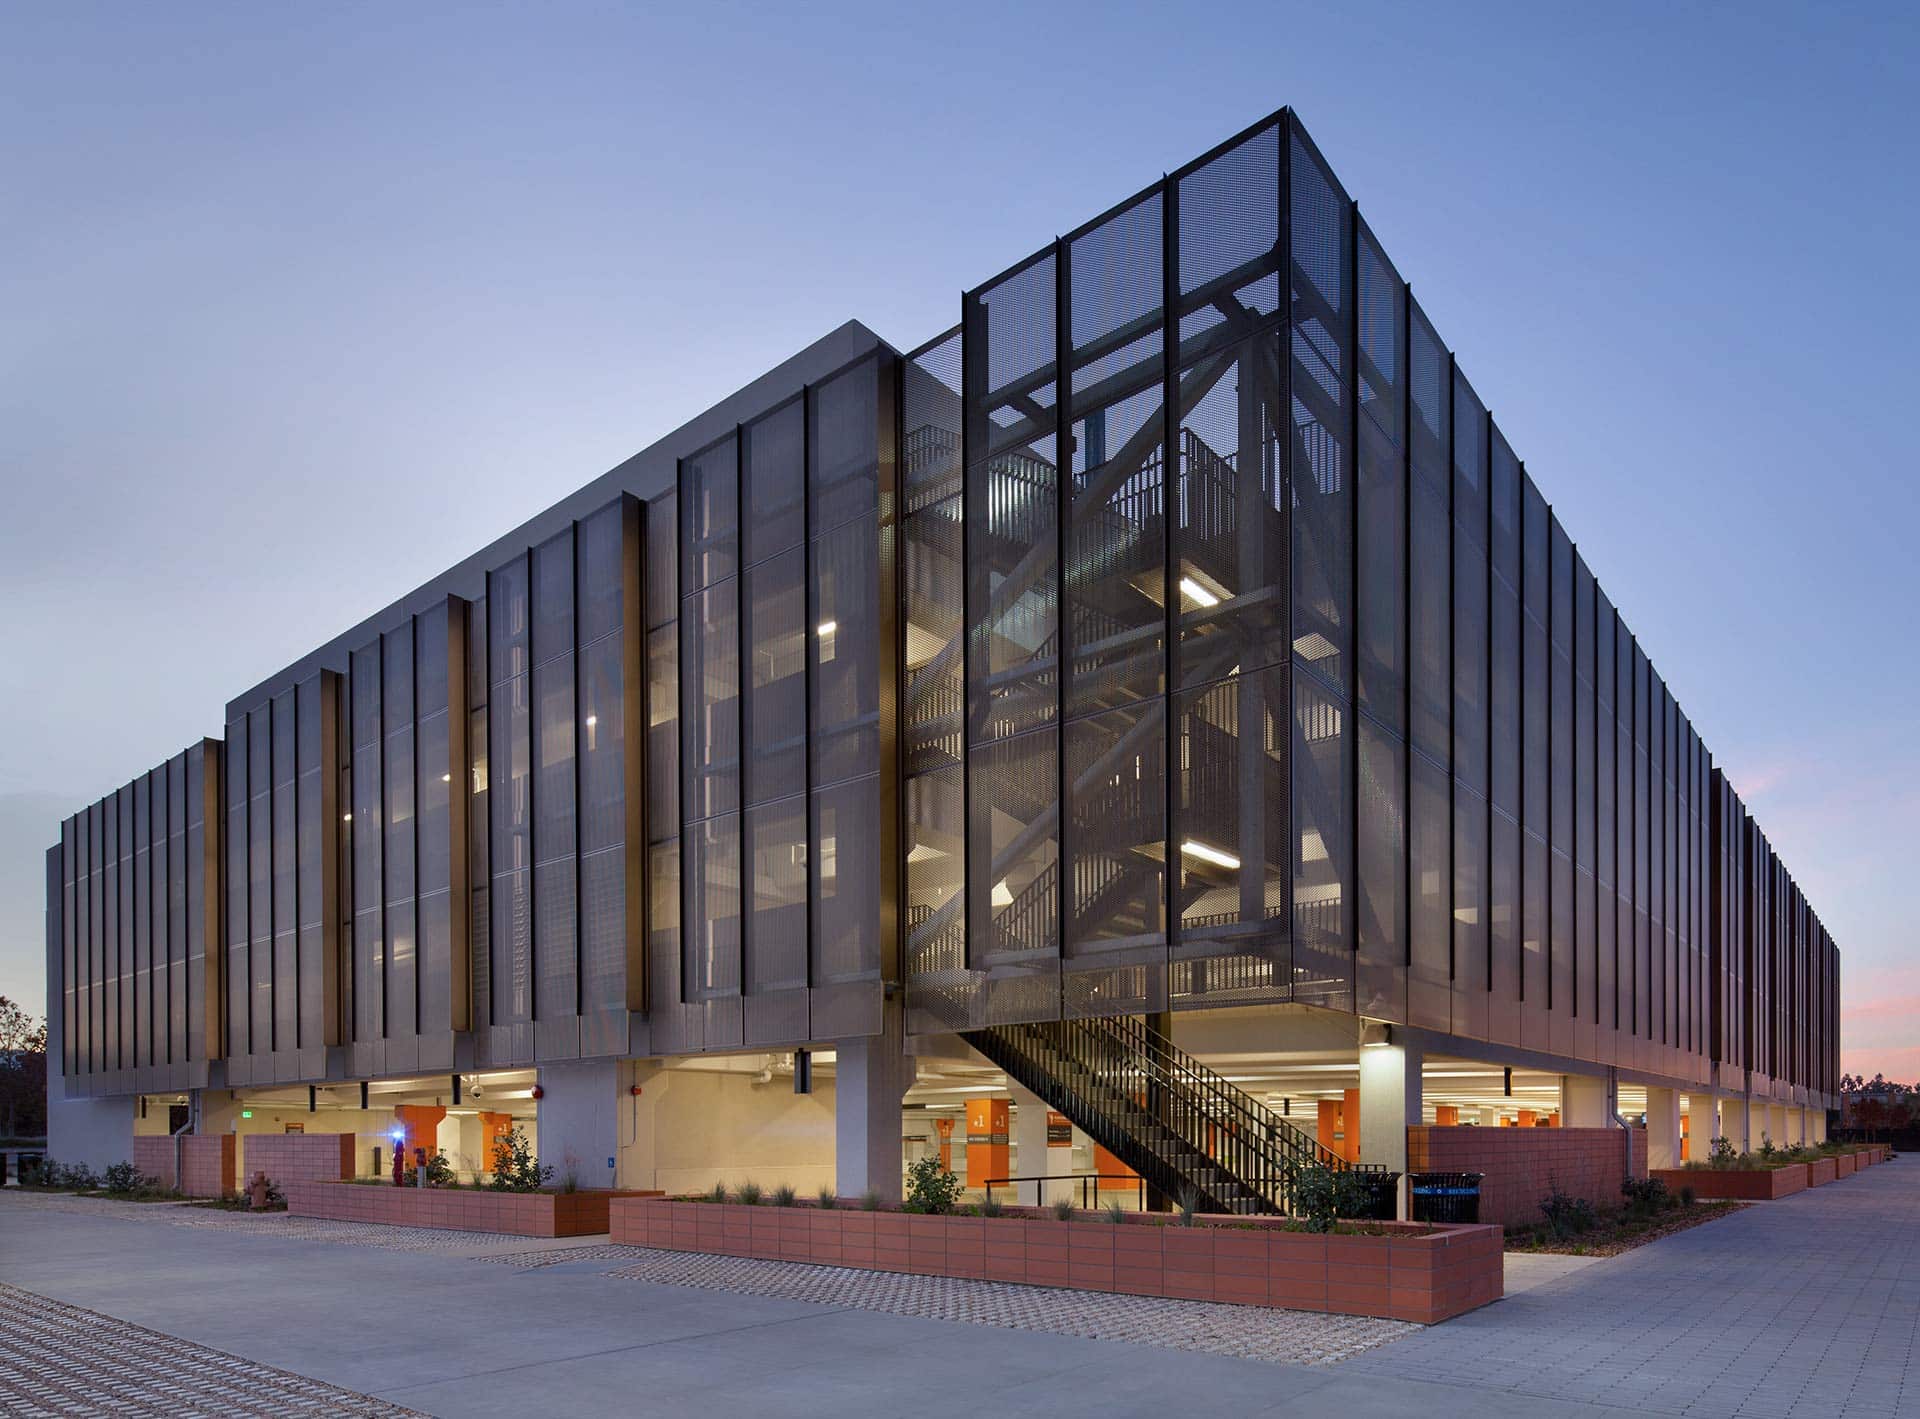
1210 854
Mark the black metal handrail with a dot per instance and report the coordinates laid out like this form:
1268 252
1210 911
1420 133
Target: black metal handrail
1160 1111
1039 1194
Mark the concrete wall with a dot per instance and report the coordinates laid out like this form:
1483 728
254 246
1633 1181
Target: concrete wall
97 1132
688 1129
1522 1165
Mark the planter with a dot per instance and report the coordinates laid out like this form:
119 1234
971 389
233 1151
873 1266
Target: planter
1410 1273
1845 1165
1821 1170
524 1214
1739 1185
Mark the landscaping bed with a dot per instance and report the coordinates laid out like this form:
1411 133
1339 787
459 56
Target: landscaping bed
1399 1271
1611 1235
581 1213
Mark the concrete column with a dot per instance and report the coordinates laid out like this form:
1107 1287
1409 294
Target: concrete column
1663 1128
1389 1103
1489 1117
871 1075
1583 1101
1032 1158
578 1120
1702 1124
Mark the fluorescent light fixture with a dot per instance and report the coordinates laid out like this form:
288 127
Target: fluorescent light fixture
1210 854
1194 591
592 720
827 628
346 817
446 778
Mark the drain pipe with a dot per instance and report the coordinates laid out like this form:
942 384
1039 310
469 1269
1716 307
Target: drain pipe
1613 1112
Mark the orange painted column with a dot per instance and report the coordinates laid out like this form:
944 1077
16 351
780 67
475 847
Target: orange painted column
493 1128
1446 1114
1327 1129
989 1121
1526 1118
944 1127
421 1123
1350 1126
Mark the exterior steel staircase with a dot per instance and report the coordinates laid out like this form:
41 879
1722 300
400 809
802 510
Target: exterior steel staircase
1159 1110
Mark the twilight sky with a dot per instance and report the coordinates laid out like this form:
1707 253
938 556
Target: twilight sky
304 303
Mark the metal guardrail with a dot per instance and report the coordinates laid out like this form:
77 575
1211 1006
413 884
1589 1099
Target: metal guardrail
1039 1192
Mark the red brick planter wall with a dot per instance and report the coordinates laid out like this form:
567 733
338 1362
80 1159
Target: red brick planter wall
1821 1170
525 1214
1424 1278
299 1157
1523 1164
1756 1185
153 1156
1843 1165
206 1164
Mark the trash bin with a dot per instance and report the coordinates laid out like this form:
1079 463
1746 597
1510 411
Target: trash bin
1445 1197
1383 1196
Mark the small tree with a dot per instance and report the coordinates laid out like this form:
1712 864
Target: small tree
514 1167
23 1072
931 1186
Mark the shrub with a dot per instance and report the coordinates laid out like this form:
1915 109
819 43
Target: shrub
1567 1215
991 1206
1686 1196
1189 1203
439 1172
123 1178
515 1169
717 1193
76 1177
1720 1153
1115 1213
785 1196
1644 1196
747 1194
871 1200
1063 1209
931 1186
1322 1195
827 1199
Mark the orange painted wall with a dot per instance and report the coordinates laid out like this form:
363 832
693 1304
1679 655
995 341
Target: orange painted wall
1115 1176
989 1121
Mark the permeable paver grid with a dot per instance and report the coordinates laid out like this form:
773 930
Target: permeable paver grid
57 1359
1806 1306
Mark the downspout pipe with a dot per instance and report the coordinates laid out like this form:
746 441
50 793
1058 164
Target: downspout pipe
1613 1112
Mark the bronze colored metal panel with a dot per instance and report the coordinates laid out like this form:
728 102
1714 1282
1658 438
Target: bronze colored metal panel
634 617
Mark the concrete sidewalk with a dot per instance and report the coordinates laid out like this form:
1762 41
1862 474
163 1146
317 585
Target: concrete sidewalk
1804 1306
